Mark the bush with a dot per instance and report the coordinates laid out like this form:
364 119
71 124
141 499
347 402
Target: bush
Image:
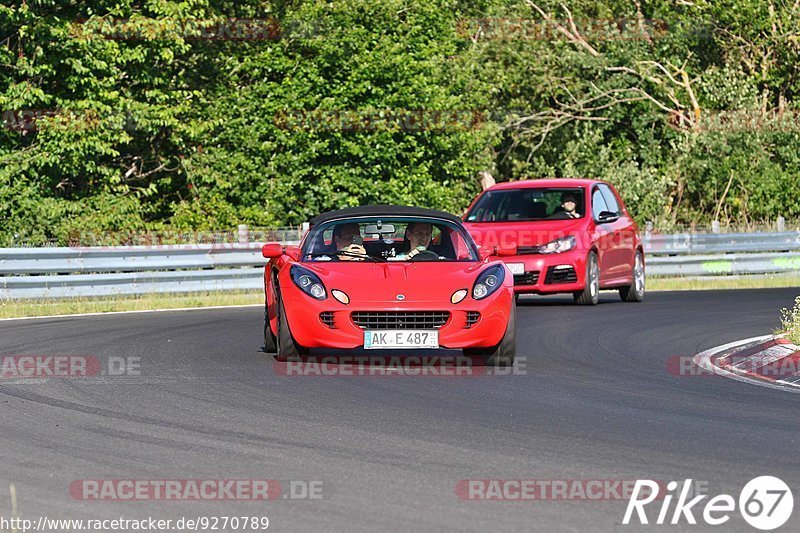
790 319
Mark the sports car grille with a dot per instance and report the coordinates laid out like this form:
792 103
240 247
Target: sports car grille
528 278
562 275
400 319
472 318
327 318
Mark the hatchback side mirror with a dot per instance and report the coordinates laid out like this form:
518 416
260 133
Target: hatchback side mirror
607 216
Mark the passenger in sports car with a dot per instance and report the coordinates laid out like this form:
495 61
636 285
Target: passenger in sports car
347 238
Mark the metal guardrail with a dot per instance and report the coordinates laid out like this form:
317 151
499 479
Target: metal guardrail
127 270
714 254
715 243
104 271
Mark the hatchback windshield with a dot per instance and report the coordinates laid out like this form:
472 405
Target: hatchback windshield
510 205
388 239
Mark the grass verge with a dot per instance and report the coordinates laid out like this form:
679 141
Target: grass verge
145 302
726 282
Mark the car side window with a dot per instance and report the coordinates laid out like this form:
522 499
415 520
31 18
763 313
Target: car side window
611 200
598 203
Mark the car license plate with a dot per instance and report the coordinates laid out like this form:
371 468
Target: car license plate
516 268
401 338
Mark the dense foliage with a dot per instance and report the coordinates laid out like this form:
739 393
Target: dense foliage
125 115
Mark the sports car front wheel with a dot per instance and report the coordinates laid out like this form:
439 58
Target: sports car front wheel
288 349
270 342
504 353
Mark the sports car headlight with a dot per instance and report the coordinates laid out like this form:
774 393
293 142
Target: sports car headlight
488 282
557 246
308 282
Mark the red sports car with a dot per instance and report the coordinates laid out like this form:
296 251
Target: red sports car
388 277
572 236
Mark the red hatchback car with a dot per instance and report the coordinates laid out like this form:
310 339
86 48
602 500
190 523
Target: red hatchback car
572 236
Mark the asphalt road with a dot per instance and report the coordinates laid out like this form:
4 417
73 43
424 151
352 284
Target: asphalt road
595 403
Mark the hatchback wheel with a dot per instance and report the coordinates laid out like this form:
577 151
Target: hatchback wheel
635 292
590 294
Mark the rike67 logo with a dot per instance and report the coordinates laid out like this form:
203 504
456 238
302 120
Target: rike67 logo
765 503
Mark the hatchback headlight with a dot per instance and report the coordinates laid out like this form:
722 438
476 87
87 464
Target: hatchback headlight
564 244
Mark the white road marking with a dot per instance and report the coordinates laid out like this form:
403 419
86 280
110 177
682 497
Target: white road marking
703 360
77 315
765 357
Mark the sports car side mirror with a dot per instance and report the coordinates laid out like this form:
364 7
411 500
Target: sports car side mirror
272 250
505 250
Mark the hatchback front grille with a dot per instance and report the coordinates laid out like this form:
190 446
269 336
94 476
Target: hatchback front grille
472 318
560 275
528 278
400 319
527 250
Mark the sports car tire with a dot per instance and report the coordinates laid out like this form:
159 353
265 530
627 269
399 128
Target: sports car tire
287 349
504 353
635 292
270 342
590 295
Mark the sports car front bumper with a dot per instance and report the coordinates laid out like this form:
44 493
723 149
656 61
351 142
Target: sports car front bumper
330 324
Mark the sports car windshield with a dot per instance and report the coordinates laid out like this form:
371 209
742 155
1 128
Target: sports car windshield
388 239
513 205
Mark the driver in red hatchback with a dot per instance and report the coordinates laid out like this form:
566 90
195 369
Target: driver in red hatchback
569 205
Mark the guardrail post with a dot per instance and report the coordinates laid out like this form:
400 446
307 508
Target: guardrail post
244 234
715 226
781 224
303 230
